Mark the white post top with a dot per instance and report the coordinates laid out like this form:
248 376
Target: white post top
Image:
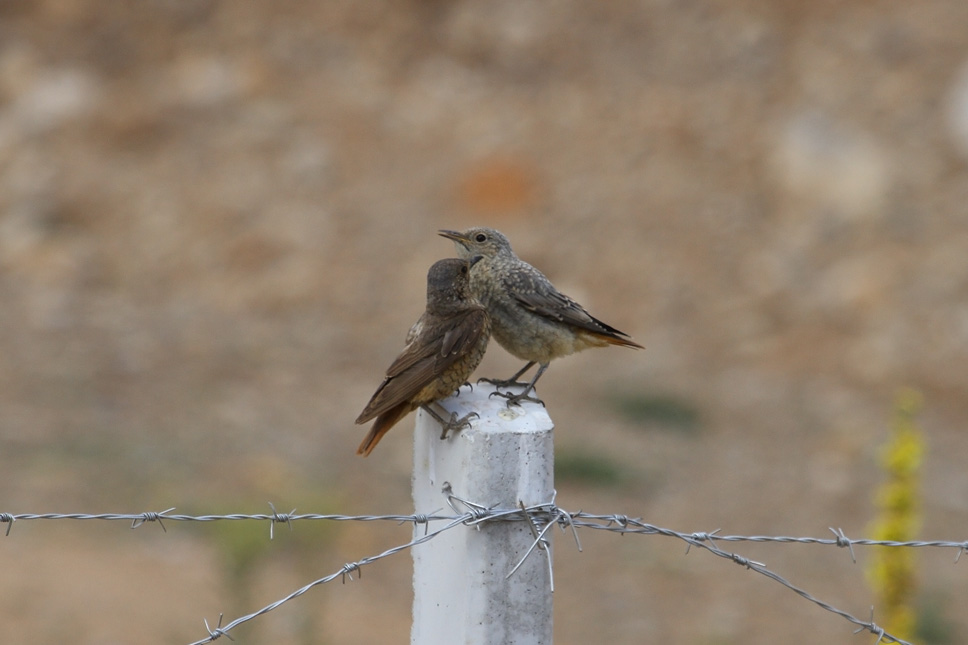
496 416
500 444
462 592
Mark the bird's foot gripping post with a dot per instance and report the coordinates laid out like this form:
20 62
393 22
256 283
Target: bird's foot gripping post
462 589
496 382
515 399
453 424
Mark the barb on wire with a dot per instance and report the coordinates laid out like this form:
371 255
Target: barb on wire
539 542
218 632
279 518
421 518
476 511
844 541
701 536
874 628
9 519
151 516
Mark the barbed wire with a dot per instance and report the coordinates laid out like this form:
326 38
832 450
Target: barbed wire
616 522
541 517
138 519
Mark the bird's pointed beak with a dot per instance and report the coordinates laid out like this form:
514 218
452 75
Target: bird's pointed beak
452 235
474 260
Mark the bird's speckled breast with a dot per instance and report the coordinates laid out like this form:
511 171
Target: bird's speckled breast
521 332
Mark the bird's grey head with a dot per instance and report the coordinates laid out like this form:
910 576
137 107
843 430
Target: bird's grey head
480 240
448 279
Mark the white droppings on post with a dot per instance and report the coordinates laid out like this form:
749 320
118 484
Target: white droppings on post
462 592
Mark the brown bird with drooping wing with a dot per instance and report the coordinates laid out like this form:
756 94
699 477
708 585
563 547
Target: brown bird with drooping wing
531 319
443 348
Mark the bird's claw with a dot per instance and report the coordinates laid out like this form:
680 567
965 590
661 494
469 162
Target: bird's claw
496 382
515 399
457 424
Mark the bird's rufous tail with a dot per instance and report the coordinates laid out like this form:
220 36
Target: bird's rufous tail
380 427
611 337
618 340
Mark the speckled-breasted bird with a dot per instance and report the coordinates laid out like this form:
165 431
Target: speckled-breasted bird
442 349
530 318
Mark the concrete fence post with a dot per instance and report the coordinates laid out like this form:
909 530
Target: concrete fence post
462 592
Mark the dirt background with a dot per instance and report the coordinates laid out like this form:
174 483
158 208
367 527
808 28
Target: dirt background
215 224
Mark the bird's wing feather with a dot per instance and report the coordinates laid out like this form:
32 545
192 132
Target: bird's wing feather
463 336
425 359
398 389
536 294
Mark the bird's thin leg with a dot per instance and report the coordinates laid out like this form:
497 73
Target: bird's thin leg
515 399
513 381
452 424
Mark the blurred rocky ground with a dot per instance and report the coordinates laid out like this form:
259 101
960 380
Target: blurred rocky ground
215 224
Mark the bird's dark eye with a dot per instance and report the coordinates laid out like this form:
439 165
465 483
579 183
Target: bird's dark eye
463 269
480 237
